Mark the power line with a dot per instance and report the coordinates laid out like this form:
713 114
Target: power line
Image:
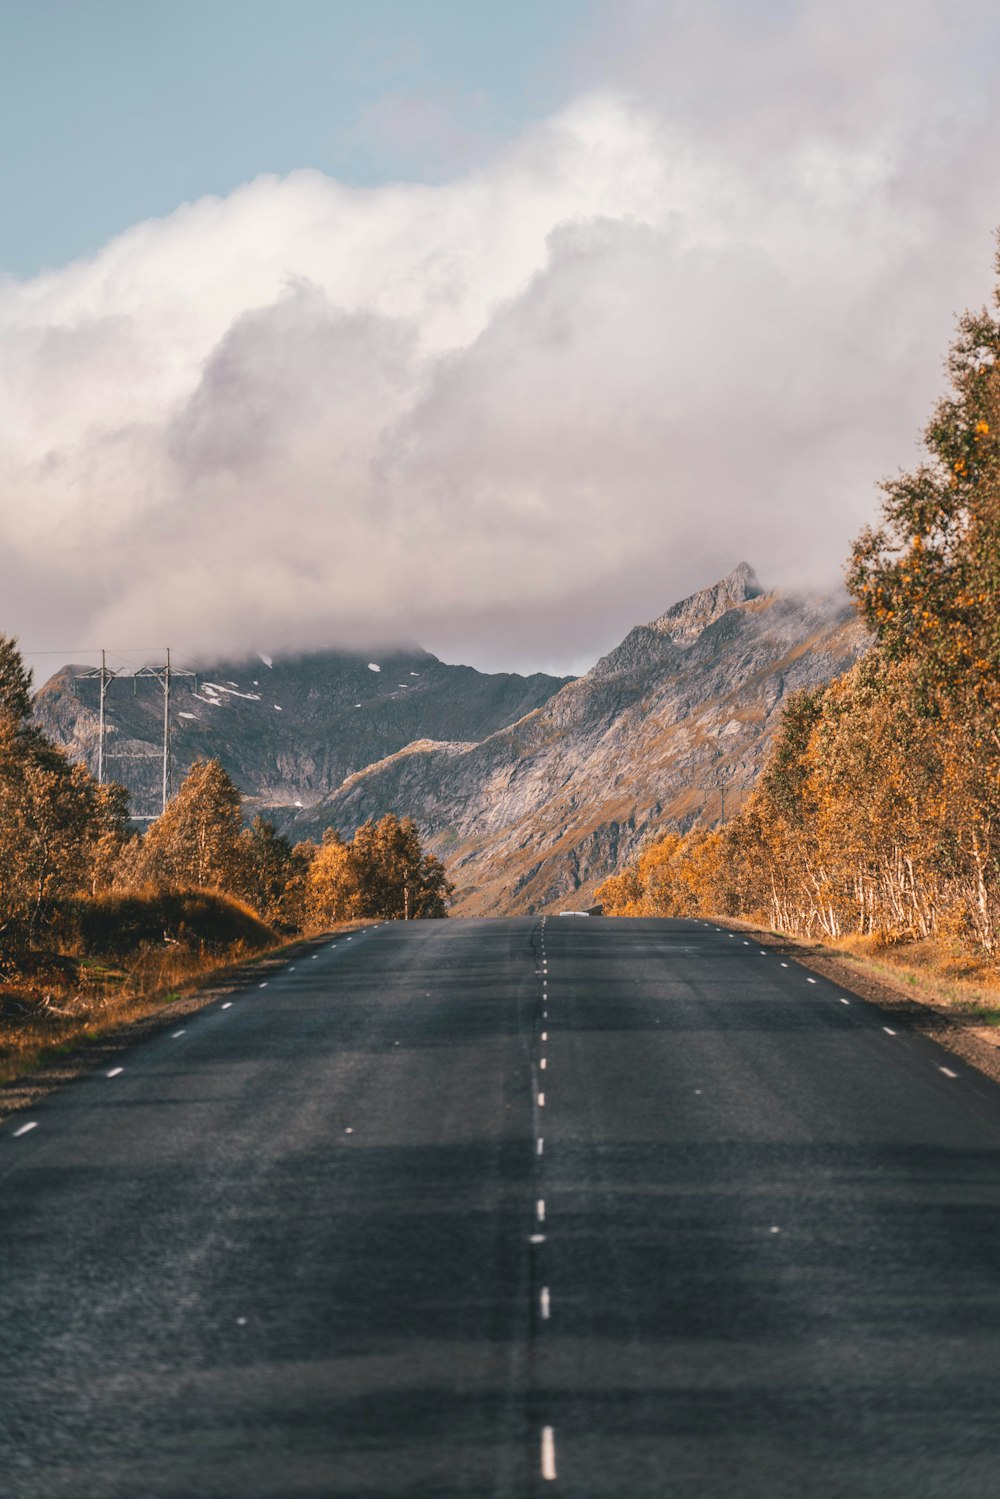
92 650
106 674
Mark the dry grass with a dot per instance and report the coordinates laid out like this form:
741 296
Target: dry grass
925 973
962 982
60 1002
953 998
122 958
50 1034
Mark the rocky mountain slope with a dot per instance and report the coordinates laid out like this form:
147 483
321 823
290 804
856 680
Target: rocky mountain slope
671 728
288 730
532 789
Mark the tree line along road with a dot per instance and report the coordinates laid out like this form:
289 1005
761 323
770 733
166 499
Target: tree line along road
511 1207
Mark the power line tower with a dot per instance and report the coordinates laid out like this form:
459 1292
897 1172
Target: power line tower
163 674
105 676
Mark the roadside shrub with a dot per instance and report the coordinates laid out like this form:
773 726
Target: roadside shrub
114 924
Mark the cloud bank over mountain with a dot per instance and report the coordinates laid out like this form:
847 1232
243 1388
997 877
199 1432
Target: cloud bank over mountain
694 316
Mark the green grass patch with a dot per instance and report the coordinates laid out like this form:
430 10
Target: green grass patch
984 1013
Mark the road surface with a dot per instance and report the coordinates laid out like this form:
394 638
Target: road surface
509 1208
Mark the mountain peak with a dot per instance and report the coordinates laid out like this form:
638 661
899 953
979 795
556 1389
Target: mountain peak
685 620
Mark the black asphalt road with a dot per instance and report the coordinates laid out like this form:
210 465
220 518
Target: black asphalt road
509 1208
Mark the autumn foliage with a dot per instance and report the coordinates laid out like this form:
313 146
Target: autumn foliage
60 832
74 874
879 809
382 872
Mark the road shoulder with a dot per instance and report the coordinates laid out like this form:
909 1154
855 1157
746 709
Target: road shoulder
25 1091
977 1045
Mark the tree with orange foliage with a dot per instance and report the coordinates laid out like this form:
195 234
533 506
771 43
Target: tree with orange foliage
333 882
879 808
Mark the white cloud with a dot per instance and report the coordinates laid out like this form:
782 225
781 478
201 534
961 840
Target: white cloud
686 320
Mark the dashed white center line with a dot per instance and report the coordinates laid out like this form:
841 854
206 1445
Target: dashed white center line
947 1072
545 1035
541 1100
888 1030
174 1034
544 1303
264 984
114 1072
784 965
536 1238
746 944
31 1124
228 1005
543 1064
548 1453
540 1147
810 981
540 1209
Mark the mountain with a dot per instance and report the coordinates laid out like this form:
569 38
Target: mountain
532 789
670 729
288 730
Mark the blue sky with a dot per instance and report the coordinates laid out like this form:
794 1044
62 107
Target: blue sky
112 111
